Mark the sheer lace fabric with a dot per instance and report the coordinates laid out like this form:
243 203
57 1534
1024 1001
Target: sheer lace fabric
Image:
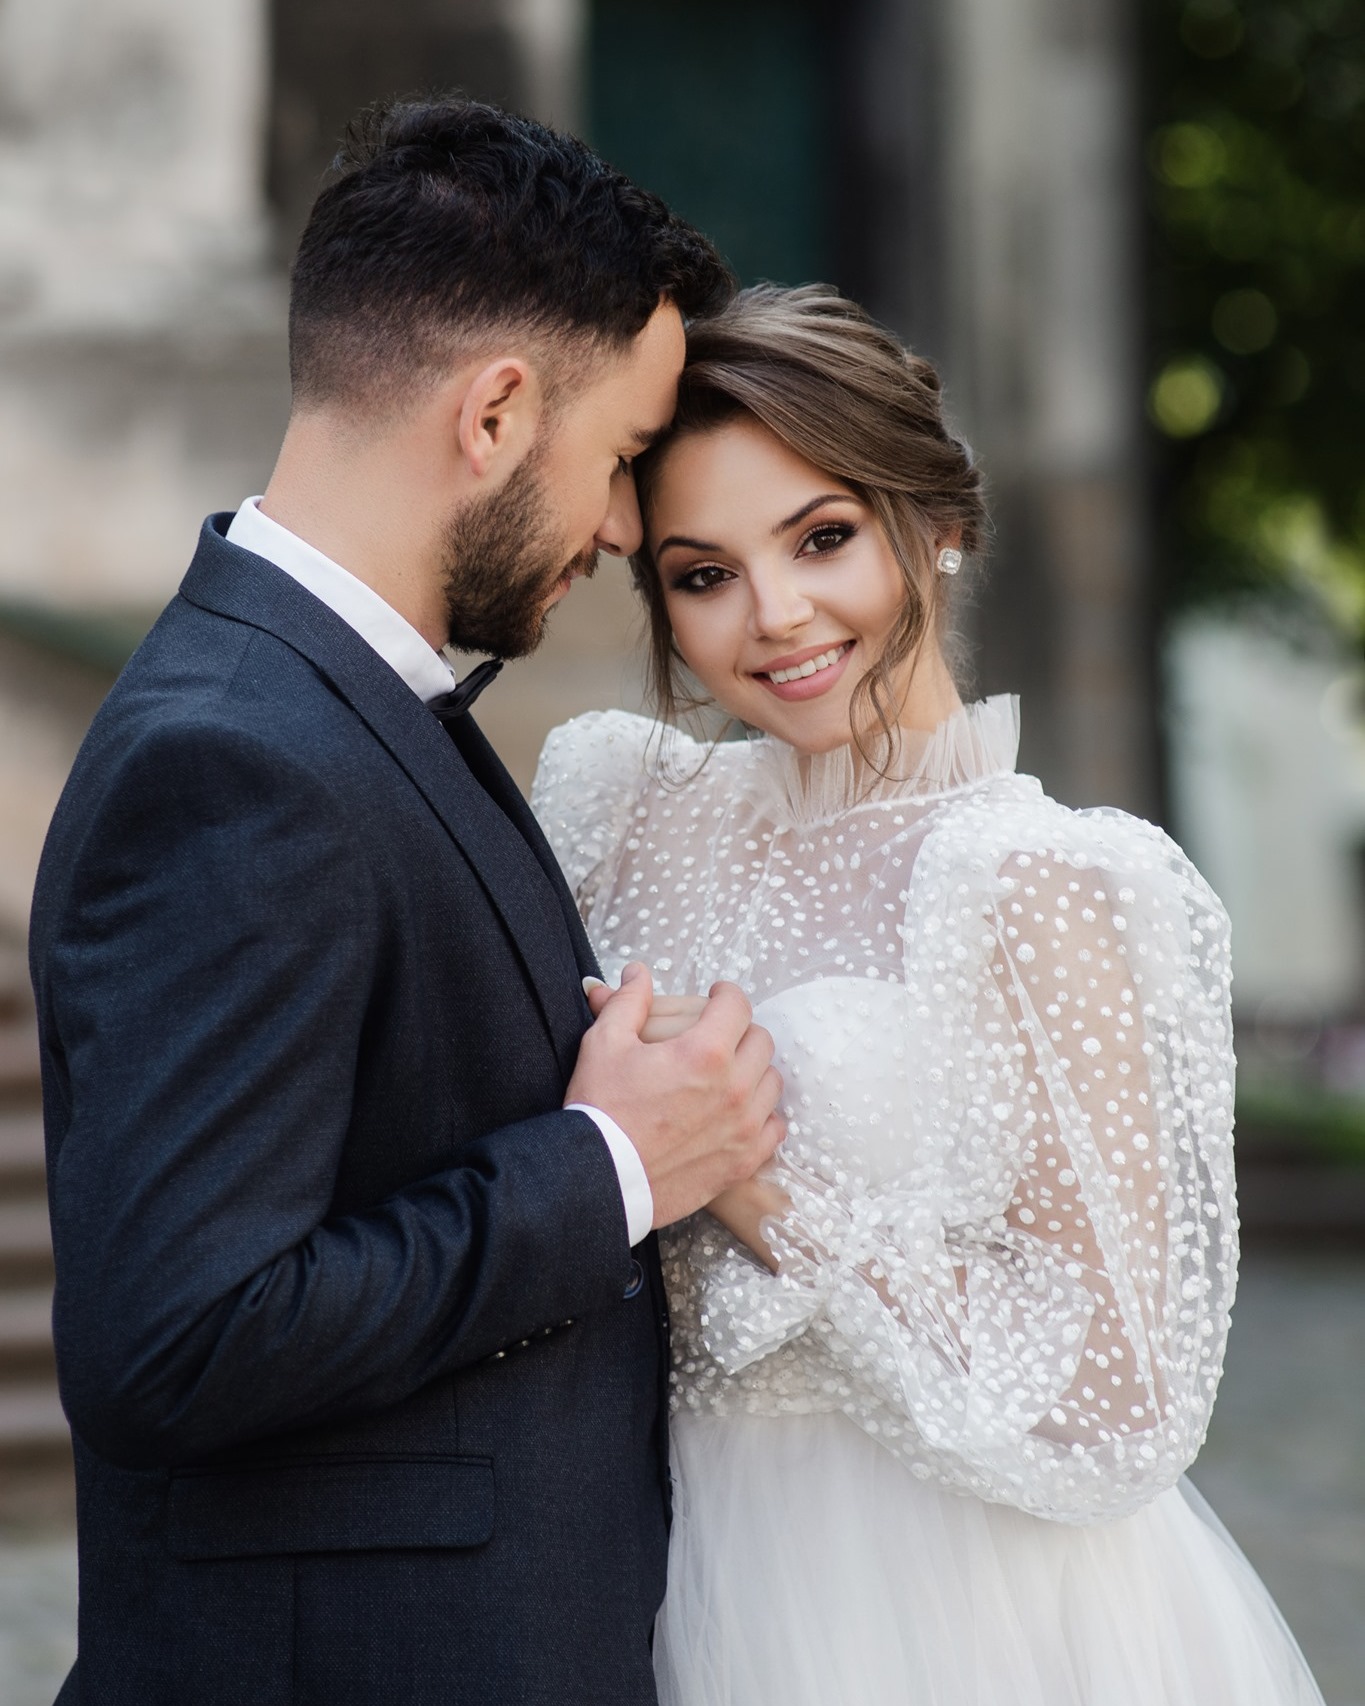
1003 1028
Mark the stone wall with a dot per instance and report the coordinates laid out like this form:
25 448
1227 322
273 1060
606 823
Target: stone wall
153 172
143 367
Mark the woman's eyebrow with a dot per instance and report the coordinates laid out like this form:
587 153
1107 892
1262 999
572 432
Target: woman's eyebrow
681 539
782 526
814 504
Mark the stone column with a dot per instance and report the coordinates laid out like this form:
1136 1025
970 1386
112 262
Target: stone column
552 38
1040 133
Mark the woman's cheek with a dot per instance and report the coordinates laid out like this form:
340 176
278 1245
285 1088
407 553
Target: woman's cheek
694 651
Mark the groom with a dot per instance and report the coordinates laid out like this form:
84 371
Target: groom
359 1319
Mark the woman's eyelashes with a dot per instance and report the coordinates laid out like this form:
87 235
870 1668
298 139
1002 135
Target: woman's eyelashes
825 537
701 577
821 540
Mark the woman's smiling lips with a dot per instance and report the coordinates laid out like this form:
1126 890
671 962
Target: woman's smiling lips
819 666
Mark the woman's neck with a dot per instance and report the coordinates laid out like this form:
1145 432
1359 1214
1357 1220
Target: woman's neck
929 698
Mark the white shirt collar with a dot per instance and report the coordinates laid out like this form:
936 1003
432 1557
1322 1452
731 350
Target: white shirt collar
381 627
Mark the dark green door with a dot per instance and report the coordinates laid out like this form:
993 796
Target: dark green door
728 111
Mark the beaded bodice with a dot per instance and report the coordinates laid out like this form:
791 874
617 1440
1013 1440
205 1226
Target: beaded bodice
1004 1035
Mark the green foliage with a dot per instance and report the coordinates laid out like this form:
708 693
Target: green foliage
1256 181
101 640
1301 1119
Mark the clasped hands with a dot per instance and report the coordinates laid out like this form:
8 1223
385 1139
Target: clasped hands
691 1079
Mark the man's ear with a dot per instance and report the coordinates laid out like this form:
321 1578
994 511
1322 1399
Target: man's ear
498 416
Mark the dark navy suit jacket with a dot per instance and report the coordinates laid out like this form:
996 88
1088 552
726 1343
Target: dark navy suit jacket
365 1385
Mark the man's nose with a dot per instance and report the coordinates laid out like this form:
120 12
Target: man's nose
622 531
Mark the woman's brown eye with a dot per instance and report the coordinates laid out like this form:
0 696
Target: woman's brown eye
701 579
828 538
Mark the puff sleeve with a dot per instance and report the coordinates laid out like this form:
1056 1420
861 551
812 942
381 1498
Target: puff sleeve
590 774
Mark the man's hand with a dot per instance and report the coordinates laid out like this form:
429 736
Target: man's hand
699 1106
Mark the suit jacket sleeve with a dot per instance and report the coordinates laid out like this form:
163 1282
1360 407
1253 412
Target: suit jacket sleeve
205 988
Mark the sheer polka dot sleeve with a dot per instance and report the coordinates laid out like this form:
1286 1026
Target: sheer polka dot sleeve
590 773
1017 1243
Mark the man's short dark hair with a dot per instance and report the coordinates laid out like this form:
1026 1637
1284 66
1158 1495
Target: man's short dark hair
449 221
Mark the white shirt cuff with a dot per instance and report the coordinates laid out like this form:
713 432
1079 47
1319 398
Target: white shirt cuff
630 1173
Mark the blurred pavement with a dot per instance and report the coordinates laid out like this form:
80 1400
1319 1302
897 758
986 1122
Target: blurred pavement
37 1618
1284 1467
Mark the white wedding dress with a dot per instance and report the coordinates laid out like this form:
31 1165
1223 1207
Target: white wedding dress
937 1459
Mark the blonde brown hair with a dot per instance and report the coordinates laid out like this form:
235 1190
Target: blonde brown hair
847 396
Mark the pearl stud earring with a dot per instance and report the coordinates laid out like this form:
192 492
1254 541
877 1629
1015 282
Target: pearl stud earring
949 561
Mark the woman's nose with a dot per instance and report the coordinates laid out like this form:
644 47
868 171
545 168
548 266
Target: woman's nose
622 531
778 606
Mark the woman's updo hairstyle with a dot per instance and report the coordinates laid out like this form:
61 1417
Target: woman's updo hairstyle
846 395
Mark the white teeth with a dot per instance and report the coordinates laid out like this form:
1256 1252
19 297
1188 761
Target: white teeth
812 666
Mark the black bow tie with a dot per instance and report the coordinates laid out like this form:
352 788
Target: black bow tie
455 703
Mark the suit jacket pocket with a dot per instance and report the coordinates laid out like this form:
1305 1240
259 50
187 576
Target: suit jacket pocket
330 1505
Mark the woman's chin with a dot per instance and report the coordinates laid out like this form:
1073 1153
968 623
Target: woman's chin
803 727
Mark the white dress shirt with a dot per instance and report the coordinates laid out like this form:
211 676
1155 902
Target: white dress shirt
428 674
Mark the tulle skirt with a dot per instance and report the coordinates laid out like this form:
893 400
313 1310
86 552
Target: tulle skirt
809 1567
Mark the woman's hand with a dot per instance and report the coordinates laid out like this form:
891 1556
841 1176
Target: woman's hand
669 1015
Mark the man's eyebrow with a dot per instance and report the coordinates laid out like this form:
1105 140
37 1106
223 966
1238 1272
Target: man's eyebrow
814 504
643 437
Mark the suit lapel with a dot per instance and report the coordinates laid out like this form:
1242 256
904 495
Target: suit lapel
491 772
235 583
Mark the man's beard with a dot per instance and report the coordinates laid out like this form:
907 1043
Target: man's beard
502 563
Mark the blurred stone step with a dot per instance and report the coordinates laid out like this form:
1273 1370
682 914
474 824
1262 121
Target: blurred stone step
25 1243
32 1426
26 1351
16 998
22 1171
20 1075
38 1497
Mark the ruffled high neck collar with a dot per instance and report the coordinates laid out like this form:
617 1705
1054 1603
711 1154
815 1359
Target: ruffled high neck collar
980 740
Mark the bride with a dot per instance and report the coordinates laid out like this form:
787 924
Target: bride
938 1371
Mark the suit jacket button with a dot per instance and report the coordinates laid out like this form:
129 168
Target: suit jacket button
637 1278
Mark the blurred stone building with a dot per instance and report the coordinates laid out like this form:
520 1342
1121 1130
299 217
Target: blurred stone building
140 346
964 168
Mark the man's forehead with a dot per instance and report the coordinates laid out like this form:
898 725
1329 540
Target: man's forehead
638 391
661 347
643 407
663 351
